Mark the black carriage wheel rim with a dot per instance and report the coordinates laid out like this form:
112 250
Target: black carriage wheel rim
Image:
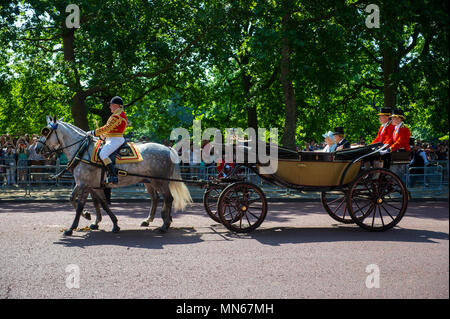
210 198
337 207
242 207
374 200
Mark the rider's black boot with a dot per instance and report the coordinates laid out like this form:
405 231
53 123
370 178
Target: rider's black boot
112 178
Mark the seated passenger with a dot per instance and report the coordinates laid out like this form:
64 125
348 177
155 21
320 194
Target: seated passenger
339 135
330 141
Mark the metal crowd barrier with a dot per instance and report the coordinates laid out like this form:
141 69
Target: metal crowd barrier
37 177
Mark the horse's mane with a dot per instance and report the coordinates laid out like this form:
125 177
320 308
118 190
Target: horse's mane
75 128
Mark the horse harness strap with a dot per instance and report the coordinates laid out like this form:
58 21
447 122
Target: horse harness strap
76 158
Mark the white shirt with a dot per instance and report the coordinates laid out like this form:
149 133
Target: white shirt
397 127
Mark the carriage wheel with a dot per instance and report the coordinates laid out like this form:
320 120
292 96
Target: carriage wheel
377 199
242 207
210 198
335 203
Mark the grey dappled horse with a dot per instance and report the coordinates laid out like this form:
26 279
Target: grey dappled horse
158 161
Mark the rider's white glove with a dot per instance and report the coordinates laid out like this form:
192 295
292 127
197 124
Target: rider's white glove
384 152
91 133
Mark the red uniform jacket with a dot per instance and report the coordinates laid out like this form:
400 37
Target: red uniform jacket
385 136
400 140
115 126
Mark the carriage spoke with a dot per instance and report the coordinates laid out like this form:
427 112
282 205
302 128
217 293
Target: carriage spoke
248 211
392 206
387 212
361 209
381 216
374 213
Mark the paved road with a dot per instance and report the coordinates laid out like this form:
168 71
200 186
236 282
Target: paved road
298 252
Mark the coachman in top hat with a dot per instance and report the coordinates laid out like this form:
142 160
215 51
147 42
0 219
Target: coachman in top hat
386 129
401 134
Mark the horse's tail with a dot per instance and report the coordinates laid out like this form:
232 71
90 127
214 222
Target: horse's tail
179 191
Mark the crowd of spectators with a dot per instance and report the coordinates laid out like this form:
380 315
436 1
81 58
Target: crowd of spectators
19 161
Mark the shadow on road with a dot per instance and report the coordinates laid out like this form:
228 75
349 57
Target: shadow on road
153 239
288 235
139 238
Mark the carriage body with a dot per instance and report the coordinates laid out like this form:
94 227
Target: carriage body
314 170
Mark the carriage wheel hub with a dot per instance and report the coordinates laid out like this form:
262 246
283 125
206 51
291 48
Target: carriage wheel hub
379 200
244 208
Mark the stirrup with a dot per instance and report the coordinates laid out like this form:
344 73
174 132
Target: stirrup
112 180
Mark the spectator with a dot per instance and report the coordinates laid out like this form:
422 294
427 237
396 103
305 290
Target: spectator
2 164
22 160
10 161
35 159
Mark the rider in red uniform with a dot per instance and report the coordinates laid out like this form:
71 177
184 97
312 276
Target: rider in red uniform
113 131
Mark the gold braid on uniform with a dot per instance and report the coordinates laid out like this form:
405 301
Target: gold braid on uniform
113 121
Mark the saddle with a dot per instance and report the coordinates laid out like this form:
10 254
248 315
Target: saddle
126 153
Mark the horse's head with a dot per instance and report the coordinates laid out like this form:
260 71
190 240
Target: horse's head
49 137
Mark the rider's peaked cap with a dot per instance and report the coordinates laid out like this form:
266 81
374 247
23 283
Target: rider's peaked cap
116 100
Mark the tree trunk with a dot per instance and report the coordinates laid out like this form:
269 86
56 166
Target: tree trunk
290 122
78 106
389 87
79 112
252 116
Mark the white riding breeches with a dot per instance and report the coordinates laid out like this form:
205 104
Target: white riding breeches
111 144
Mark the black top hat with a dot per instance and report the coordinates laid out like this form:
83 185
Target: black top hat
338 130
398 113
385 111
116 100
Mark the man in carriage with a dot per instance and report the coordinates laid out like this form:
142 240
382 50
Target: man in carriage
113 131
399 141
386 129
339 135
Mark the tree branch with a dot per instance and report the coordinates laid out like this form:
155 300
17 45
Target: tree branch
41 39
171 63
93 90
371 55
404 51
154 88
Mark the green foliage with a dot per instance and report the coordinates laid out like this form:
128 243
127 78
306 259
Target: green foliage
219 61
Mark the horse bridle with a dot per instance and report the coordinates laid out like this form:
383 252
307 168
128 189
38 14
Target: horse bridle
47 131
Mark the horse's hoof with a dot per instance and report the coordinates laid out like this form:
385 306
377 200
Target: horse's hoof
115 229
93 227
145 224
87 215
68 232
163 229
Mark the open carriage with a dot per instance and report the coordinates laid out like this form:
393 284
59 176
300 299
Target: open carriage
352 191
